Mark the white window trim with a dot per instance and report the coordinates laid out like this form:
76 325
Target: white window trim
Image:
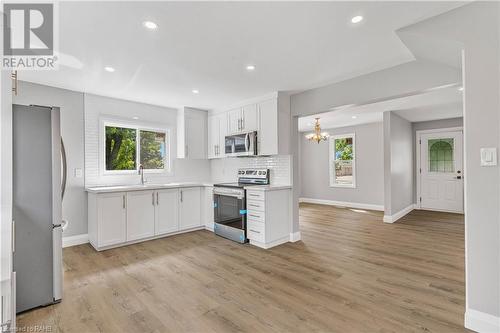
139 126
331 159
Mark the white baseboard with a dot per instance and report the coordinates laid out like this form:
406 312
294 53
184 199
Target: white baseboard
342 204
75 240
481 322
394 217
295 236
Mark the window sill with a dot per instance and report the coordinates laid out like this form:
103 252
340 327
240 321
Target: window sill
342 186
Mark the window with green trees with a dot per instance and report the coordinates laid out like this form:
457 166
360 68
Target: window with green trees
342 160
127 147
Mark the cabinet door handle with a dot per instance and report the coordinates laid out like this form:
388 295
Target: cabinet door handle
257 232
254 205
157 201
181 195
153 198
123 197
254 215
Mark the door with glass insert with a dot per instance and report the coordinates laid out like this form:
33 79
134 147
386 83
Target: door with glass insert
441 171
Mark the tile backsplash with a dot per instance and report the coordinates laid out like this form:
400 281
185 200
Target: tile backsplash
225 169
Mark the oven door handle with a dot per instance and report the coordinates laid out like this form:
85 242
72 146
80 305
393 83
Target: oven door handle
233 195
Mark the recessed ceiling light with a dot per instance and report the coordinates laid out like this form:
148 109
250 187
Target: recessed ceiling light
195 91
109 69
135 118
354 117
357 19
461 89
250 68
150 25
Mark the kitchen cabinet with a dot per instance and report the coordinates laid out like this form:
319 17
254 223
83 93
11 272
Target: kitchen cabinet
167 211
190 207
140 215
192 133
234 121
242 119
216 135
135 215
249 121
111 207
195 132
267 138
268 217
269 116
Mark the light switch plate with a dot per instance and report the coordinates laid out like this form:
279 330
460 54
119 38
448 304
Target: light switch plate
488 156
78 173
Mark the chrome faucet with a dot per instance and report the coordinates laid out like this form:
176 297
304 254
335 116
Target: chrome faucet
141 172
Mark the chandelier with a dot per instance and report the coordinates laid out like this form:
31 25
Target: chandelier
317 135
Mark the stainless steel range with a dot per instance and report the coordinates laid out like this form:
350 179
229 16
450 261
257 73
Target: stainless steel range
230 212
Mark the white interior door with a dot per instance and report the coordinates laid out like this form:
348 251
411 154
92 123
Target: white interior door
441 171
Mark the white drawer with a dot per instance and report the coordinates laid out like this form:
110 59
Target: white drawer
256 195
256 205
256 231
254 215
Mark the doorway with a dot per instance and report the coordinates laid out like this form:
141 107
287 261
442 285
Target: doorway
440 176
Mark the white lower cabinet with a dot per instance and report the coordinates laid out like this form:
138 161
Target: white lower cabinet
140 215
121 218
268 217
111 207
167 211
190 208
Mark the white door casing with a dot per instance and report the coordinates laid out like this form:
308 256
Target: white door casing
440 174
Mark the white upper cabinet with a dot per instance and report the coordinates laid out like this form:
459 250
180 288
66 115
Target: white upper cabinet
249 117
269 116
190 208
196 136
167 211
217 124
140 215
268 127
192 133
234 121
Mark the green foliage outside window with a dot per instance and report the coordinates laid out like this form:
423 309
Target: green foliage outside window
343 149
122 146
152 150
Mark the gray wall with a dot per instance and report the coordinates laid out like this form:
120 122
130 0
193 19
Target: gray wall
398 161
477 27
74 207
427 125
314 167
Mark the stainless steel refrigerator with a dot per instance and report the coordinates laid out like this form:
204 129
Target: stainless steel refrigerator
37 197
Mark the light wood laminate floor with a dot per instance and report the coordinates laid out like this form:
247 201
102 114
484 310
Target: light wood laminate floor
350 273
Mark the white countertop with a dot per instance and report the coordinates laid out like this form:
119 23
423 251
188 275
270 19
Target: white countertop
138 187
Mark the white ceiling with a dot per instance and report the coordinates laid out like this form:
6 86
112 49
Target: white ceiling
441 103
206 46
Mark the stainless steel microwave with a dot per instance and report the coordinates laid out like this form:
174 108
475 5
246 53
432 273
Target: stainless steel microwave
244 144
